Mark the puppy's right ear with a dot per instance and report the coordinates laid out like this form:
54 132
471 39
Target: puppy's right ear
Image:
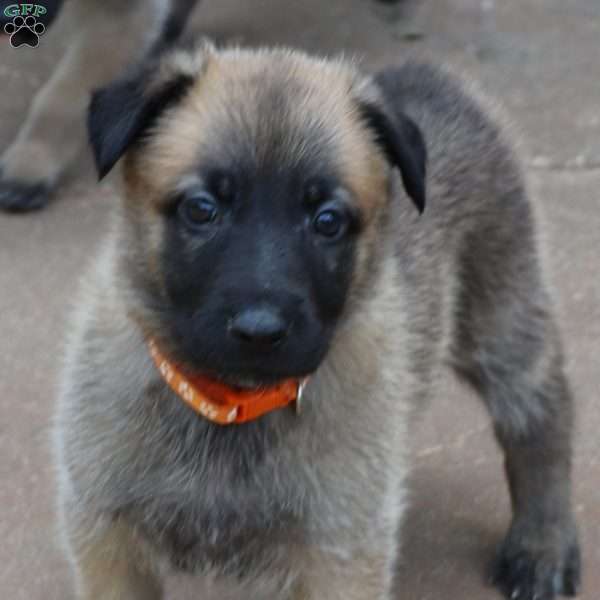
122 113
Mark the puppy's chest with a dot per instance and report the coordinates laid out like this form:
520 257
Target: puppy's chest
216 499
211 536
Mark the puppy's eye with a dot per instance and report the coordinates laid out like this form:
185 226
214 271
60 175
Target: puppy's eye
330 223
198 210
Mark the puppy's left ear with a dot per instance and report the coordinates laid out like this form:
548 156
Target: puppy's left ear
121 114
402 142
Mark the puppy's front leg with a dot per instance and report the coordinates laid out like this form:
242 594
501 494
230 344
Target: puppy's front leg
509 349
367 576
109 564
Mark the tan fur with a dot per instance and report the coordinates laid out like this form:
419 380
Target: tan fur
323 86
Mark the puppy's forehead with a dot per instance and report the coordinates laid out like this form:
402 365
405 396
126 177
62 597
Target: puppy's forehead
267 110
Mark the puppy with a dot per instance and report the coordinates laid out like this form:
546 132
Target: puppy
299 248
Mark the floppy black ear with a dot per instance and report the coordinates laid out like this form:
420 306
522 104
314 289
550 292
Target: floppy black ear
404 147
122 112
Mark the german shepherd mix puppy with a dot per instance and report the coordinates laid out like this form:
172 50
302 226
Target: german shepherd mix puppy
271 235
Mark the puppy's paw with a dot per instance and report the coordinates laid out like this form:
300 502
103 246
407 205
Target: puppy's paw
21 196
524 574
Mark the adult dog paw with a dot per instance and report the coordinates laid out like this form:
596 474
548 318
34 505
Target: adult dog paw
20 196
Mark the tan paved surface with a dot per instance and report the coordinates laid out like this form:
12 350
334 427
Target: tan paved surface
543 61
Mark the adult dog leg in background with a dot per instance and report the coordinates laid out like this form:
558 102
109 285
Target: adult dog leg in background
110 35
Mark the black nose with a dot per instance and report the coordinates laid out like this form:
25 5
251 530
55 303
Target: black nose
260 326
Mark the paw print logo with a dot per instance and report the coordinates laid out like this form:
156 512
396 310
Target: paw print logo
24 31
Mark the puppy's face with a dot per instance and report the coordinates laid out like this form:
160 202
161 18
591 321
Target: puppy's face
256 185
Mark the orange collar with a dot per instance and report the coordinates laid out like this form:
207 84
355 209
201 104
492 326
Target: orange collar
222 404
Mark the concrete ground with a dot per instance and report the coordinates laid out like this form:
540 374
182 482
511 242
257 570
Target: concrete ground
542 59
